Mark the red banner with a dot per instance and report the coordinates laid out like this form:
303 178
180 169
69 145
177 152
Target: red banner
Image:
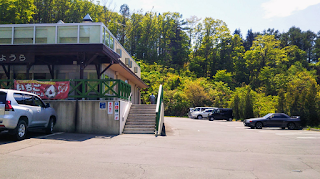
44 89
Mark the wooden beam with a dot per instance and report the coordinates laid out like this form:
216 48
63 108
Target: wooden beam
81 59
6 71
51 69
106 68
98 69
28 71
91 59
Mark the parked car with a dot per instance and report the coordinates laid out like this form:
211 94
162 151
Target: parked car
205 113
21 111
220 114
274 120
197 112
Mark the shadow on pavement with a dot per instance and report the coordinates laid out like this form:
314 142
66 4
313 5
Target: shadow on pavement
5 138
76 137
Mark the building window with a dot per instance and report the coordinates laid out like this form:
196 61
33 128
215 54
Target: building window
67 34
111 45
21 76
103 34
107 39
23 35
89 34
5 35
45 35
119 51
38 76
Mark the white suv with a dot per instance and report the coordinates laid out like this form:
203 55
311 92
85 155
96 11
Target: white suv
20 111
197 113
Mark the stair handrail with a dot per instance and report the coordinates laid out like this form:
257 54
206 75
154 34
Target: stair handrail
159 113
125 116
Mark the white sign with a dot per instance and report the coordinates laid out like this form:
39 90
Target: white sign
110 107
116 110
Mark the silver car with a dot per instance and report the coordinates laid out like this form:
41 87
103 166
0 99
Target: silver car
198 112
21 111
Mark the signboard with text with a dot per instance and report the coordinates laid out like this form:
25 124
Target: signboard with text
44 89
16 58
110 107
116 110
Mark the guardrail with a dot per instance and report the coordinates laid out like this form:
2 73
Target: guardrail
160 128
88 88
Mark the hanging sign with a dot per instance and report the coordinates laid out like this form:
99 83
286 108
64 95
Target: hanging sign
44 89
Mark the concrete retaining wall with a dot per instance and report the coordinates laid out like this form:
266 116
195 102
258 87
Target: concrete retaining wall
87 117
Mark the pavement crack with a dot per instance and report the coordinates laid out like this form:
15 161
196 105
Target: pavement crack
143 170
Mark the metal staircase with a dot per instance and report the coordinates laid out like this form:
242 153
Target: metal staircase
141 119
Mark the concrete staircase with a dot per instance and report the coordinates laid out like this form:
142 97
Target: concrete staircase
141 119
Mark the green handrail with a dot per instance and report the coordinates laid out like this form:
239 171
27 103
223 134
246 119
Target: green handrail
88 88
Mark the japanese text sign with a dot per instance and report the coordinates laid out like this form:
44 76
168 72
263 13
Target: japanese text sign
16 58
44 89
110 107
116 110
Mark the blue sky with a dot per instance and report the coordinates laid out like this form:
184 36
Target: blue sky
244 14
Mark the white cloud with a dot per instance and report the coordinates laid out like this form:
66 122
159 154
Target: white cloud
284 8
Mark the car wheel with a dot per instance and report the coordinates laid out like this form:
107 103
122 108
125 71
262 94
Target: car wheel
259 125
211 118
291 126
230 119
282 127
199 117
21 130
50 126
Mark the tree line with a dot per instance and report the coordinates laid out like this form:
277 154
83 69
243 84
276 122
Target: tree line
199 61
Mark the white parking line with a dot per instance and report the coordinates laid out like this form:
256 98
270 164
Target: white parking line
297 133
40 137
307 137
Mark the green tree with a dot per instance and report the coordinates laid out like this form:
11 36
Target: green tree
248 105
235 106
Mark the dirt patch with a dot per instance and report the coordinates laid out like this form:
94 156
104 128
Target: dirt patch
169 130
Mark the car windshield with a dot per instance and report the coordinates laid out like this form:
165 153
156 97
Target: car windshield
197 109
268 115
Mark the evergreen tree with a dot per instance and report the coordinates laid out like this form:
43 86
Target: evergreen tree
248 108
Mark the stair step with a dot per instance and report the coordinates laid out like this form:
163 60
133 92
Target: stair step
138 132
144 111
140 126
139 114
141 119
139 129
140 122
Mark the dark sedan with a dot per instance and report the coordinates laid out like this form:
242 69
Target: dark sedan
274 120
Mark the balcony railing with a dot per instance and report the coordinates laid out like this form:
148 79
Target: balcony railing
89 88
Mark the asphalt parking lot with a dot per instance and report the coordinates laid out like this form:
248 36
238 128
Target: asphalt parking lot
192 149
